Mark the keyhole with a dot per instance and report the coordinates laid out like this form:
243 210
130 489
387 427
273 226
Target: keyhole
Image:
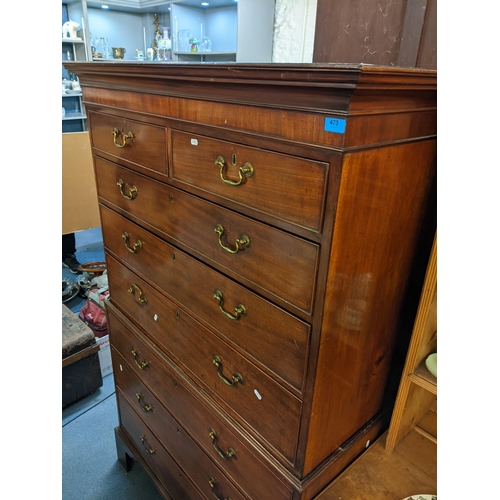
233 159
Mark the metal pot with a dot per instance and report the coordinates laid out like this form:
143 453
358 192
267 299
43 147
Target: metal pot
118 52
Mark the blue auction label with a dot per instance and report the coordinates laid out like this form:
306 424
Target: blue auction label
335 125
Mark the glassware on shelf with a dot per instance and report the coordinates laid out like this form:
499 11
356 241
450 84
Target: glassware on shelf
106 54
95 47
205 45
166 44
166 37
160 52
184 36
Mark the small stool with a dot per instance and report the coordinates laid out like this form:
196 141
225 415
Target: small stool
81 370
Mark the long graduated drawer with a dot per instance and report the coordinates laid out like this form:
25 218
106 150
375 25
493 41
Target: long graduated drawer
271 336
138 371
268 258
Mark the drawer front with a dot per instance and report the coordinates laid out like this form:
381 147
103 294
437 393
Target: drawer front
274 260
198 467
147 146
290 188
182 448
196 418
227 375
173 478
270 335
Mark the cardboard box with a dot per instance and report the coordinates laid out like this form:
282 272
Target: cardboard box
80 209
105 355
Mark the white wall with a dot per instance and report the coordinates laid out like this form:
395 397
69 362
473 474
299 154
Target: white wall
220 28
294 26
219 24
120 28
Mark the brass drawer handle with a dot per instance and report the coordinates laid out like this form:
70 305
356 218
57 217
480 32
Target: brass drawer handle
151 451
141 298
132 192
213 484
234 379
142 365
126 138
135 247
245 171
146 408
239 310
226 455
242 242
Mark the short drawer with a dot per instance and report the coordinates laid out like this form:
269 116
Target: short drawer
161 463
245 390
271 336
139 143
257 253
288 187
138 370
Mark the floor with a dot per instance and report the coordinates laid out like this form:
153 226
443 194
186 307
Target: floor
91 470
411 470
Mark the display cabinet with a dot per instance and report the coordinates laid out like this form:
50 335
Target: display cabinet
241 31
74 118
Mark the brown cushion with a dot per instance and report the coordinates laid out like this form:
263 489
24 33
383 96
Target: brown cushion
76 335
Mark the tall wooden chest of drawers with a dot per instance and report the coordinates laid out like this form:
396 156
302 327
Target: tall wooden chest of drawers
262 227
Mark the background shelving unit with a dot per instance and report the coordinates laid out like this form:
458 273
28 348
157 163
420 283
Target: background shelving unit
416 402
241 32
205 56
75 118
80 210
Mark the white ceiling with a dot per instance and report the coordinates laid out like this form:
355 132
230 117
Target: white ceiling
150 5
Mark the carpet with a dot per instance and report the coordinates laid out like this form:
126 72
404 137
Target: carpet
90 468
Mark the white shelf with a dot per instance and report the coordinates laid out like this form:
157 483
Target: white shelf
204 53
74 116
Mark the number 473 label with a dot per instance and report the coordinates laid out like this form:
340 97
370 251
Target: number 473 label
336 125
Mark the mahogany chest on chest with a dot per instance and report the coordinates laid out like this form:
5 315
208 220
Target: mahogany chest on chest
261 225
